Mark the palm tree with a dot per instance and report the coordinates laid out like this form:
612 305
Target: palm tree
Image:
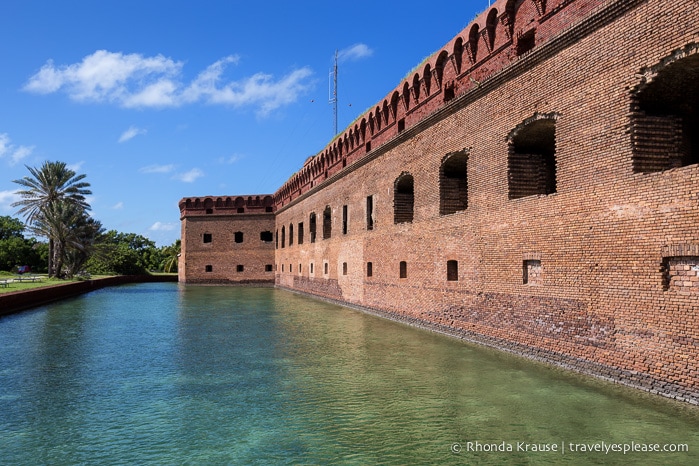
50 185
80 243
172 256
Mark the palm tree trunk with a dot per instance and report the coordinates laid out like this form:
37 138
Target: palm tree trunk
51 250
58 259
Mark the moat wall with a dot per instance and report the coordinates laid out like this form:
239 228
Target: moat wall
542 198
20 300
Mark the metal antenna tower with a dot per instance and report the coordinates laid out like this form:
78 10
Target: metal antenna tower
332 92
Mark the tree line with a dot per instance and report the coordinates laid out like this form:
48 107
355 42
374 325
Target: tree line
53 203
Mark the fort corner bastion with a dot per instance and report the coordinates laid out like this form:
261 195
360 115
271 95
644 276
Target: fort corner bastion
532 186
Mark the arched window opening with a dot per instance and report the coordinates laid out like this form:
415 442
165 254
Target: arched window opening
473 42
491 24
300 230
439 67
665 118
385 113
406 96
427 78
394 104
453 183
458 54
283 236
238 236
291 234
532 157
403 199
327 222
416 87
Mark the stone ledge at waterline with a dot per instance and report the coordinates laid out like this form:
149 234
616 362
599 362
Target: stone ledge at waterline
20 300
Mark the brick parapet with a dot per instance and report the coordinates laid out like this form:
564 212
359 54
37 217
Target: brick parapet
557 23
226 205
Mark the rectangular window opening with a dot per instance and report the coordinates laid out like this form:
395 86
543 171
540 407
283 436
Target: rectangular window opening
452 271
681 273
532 272
344 219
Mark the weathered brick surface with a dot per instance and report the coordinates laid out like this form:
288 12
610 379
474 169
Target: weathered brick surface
222 242
609 246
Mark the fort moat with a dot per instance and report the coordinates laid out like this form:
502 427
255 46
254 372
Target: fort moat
161 373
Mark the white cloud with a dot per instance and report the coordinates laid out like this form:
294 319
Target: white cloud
6 200
260 90
15 154
156 169
159 226
230 160
135 81
76 166
131 133
189 176
20 153
4 144
118 206
102 76
354 52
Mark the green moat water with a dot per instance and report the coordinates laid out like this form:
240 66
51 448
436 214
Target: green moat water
165 374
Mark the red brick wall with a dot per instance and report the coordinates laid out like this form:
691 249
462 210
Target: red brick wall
610 255
210 252
606 241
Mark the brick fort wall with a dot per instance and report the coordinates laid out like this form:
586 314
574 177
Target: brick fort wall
533 186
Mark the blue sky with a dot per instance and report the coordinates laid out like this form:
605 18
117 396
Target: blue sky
158 100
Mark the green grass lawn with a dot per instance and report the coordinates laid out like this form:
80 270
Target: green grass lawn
45 281
20 286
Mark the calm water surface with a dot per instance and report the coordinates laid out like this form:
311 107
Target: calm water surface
166 374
